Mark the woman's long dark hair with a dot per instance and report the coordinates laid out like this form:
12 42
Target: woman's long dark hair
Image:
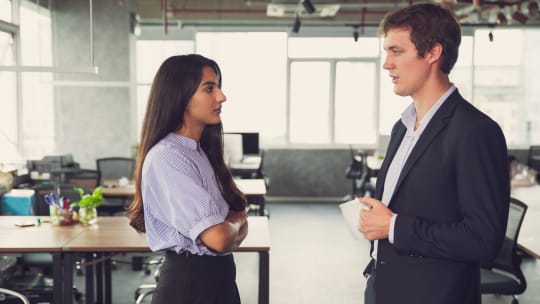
174 84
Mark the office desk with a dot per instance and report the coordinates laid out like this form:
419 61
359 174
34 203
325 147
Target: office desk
250 187
113 235
46 238
250 166
113 190
255 191
529 238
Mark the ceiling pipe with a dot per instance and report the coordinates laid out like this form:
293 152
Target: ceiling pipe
165 17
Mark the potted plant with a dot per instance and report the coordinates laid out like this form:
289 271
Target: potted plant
87 205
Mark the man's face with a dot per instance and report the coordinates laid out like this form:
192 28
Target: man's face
407 69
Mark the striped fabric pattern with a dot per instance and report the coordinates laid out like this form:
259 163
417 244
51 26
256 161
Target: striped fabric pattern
181 196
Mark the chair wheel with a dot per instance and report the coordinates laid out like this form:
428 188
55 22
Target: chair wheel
515 301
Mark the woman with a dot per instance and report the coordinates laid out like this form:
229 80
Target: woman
186 200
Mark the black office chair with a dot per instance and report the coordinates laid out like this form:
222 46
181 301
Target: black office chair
504 275
145 290
13 293
86 179
533 160
114 168
359 172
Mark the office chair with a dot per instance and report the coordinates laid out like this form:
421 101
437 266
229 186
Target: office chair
145 290
20 296
114 168
533 160
359 173
86 179
504 275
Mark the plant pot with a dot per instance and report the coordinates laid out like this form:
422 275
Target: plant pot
88 216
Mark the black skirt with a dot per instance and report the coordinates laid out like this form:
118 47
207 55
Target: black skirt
192 279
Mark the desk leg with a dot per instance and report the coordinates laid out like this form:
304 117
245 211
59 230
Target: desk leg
262 206
99 278
89 278
264 277
68 278
108 279
57 277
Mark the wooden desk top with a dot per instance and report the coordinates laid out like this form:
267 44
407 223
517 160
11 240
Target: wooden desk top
114 234
529 237
111 188
43 238
251 187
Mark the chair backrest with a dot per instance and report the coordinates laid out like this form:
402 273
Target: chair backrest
13 293
508 259
115 167
66 190
85 178
533 160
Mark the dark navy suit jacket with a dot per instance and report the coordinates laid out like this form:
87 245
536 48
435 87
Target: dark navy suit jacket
452 200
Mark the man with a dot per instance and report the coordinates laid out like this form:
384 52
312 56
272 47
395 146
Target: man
442 197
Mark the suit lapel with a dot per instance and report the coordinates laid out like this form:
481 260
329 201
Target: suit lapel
435 126
393 145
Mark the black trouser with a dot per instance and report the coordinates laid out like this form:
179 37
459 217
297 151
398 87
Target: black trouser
369 293
193 279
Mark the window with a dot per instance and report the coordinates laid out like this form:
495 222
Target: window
150 55
333 91
297 90
504 82
341 47
37 105
254 67
309 102
355 103
5 10
8 102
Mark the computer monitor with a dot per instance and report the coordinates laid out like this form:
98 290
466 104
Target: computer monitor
250 142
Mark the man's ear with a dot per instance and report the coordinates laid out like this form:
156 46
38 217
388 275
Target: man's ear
435 53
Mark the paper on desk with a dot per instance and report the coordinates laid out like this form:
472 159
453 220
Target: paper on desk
351 213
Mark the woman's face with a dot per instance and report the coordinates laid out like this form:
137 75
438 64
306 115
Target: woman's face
204 107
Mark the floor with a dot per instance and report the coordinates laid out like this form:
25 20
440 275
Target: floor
313 259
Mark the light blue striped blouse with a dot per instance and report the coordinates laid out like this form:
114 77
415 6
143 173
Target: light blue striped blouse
181 196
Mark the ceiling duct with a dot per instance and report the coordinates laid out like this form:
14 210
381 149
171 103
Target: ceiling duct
283 10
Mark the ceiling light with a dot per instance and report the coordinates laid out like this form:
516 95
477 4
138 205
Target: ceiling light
308 6
296 25
519 17
501 18
533 9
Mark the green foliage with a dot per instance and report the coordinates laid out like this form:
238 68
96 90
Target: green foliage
89 201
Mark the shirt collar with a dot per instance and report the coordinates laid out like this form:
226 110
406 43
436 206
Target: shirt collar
408 117
190 143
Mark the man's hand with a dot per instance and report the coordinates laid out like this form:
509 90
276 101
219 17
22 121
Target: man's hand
375 222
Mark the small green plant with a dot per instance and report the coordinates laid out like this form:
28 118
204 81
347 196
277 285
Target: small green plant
87 205
89 201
